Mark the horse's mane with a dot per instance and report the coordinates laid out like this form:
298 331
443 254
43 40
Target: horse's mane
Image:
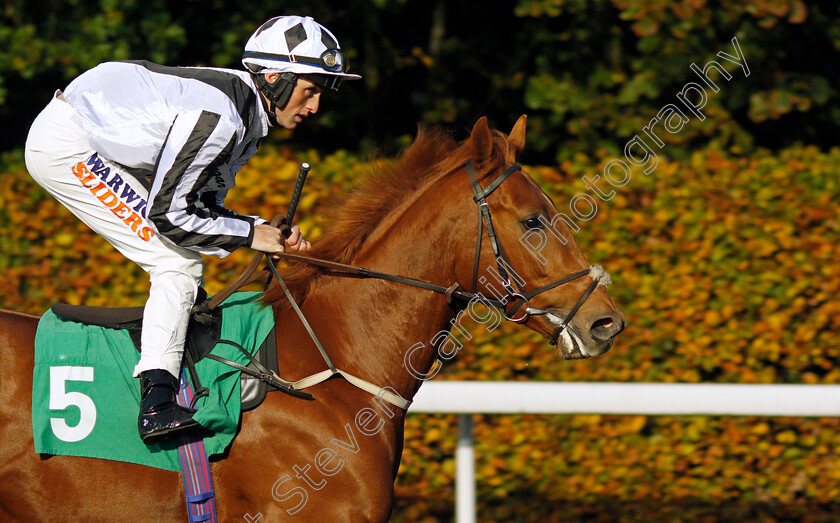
432 155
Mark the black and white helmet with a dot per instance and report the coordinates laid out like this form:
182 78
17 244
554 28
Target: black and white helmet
297 45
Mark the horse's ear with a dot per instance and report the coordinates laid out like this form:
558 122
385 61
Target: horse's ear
482 140
517 136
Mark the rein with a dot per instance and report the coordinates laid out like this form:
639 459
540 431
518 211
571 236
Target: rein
518 295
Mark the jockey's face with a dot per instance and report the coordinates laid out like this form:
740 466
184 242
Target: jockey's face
304 101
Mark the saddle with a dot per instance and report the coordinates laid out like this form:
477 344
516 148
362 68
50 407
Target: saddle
203 333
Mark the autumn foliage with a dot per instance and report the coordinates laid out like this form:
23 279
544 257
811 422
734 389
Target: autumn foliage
725 265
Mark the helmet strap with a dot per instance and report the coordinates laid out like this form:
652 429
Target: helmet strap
277 93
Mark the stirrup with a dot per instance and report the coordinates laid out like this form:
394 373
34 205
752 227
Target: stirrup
160 415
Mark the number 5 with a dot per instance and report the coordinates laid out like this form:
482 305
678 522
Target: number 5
60 399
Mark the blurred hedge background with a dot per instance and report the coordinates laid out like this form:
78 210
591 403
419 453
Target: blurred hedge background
724 258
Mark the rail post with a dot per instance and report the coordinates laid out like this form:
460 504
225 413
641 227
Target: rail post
465 472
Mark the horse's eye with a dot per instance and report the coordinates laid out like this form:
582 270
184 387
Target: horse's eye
532 223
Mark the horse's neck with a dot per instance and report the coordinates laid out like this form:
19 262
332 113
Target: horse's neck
367 326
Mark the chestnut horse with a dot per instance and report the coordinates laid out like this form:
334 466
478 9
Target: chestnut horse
334 458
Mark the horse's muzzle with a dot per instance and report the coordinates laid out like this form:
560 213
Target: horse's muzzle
572 344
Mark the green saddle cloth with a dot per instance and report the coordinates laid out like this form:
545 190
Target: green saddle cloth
85 401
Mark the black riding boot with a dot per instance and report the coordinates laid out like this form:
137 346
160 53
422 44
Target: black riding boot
160 414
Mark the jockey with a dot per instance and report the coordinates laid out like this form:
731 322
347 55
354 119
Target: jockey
145 154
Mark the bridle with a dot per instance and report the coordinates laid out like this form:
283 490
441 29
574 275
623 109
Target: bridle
519 296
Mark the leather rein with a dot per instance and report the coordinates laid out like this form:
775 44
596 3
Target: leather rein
517 295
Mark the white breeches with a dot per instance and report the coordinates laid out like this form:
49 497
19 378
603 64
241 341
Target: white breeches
112 203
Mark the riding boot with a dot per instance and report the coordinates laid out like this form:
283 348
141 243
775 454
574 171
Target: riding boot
160 414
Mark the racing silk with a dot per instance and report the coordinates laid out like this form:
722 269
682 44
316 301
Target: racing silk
186 129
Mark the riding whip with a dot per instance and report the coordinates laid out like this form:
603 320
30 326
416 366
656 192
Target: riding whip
303 170
201 310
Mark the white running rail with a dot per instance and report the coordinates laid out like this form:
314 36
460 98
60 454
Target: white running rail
676 399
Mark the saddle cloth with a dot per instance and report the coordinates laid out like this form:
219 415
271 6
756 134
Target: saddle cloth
85 401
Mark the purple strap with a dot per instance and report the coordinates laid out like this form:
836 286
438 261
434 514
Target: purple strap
195 469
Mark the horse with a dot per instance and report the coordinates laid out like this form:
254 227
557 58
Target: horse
335 458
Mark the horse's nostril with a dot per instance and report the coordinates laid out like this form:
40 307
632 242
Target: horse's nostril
604 328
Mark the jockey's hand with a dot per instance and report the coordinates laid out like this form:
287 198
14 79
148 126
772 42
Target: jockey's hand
295 242
269 239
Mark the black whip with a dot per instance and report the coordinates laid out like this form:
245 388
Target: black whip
303 170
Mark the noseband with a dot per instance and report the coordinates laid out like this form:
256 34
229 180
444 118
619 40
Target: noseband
518 295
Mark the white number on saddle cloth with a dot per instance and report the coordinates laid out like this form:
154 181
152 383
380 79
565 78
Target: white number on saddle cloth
61 399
